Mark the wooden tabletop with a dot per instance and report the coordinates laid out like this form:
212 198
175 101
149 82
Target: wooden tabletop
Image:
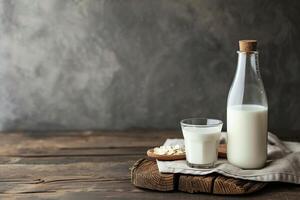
91 165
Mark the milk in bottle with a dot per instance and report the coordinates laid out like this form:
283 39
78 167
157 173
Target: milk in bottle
247 112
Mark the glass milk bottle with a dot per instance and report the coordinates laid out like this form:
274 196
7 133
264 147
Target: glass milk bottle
247 112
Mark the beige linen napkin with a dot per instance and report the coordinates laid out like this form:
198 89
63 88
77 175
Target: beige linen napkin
283 163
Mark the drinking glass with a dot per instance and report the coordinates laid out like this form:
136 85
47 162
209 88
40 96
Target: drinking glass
201 139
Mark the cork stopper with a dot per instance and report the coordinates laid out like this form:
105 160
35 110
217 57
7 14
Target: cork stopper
247 45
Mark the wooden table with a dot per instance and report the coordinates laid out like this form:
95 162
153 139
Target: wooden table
91 165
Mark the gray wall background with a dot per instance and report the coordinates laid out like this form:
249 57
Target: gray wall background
93 64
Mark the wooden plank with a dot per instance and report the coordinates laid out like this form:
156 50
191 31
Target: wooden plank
58 160
124 190
47 171
78 152
21 144
62 177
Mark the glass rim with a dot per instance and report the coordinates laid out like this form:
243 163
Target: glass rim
218 122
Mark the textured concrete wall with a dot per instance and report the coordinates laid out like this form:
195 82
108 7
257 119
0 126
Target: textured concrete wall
95 64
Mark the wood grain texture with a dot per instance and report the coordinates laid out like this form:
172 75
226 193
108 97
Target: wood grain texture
196 184
227 185
91 165
145 174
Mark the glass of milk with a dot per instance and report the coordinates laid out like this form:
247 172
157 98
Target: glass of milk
201 139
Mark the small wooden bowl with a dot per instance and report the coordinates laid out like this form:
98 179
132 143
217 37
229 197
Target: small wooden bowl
151 154
222 153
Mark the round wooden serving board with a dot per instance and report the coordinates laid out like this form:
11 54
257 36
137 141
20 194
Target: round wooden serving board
145 174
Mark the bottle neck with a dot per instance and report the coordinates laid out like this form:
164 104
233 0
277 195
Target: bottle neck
247 87
248 61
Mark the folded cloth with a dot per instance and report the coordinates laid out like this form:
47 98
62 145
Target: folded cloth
283 163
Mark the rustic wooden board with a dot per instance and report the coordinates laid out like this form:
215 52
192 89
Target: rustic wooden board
145 174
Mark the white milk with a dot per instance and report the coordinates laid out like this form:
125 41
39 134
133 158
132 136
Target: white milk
247 135
201 144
